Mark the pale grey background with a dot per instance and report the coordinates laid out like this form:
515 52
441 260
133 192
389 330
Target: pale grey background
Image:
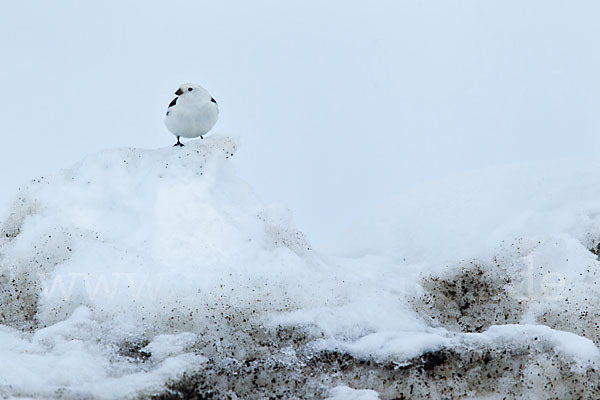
338 104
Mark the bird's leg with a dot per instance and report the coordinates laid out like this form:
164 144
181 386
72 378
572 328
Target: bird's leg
201 137
178 143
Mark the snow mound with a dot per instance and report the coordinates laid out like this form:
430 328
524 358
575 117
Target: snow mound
126 229
158 273
103 265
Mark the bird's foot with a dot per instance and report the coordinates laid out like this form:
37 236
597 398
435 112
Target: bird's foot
178 144
201 137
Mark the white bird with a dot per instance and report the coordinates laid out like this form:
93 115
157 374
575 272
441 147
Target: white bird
192 113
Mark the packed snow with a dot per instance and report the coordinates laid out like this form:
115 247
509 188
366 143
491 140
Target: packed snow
138 268
347 393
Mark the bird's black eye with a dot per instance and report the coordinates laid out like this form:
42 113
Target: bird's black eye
190 89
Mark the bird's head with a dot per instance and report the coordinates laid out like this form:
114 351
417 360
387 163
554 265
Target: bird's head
194 92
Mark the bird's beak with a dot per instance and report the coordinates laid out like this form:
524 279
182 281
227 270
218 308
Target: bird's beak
179 92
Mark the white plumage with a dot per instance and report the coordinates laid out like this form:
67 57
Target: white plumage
192 113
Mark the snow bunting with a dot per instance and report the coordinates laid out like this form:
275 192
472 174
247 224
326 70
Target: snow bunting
192 113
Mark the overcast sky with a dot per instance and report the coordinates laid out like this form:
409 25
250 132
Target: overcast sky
338 105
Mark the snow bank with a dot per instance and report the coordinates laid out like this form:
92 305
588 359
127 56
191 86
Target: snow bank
138 246
158 272
74 358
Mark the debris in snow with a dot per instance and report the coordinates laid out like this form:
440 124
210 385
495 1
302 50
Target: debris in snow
158 273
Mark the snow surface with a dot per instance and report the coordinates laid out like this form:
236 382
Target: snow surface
347 393
468 215
156 249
